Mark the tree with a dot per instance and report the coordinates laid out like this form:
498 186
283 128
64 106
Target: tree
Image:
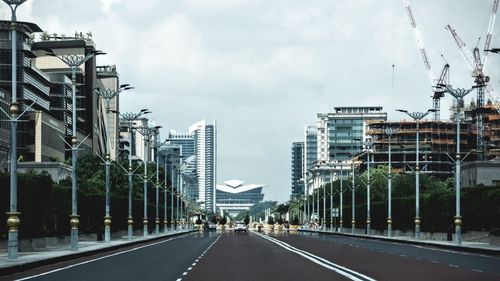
223 221
270 220
247 219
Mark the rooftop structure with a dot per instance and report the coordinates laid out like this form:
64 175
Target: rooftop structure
235 196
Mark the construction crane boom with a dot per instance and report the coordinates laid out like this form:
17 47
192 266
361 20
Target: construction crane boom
420 42
464 51
439 90
489 34
493 97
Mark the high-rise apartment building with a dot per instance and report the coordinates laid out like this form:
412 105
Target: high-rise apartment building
310 148
297 170
199 161
186 140
205 135
186 160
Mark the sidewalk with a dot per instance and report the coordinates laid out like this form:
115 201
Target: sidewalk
33 259
466 246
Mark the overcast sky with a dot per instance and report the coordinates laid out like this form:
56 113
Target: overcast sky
264 68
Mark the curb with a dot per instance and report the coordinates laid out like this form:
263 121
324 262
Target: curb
468 249
75 255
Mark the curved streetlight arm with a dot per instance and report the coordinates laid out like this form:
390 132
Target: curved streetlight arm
417 116
13 5
108 94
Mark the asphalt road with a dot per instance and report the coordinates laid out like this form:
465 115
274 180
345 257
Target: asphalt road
161 260
322 257
278 256
382 260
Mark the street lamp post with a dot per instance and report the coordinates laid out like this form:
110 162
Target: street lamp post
417 116
13 215
172 176
323 225
157 145
179 201
318 186
313 186
368 145
74 61
308 185
331 198
353 222
459 95
107 95
341 211
304 200
147 133
389 132
165 197
130 118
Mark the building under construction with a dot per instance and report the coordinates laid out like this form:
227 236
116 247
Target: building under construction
487 131
437 142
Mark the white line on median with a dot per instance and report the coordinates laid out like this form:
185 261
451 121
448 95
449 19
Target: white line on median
353 275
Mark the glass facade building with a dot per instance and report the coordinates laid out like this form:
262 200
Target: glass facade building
347 129
199 161
310 148
296 170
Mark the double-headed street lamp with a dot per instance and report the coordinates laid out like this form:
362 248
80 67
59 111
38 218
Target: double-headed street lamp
310 209
307 184
341 207
156 147
353 188
107 95
130 117
74 61
389 132
459 95
368 145
13 215
331 194
417 116
165 196
147 133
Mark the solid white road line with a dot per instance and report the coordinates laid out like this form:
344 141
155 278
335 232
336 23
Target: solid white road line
100 258
351 274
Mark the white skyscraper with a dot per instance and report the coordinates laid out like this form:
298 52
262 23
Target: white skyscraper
205 136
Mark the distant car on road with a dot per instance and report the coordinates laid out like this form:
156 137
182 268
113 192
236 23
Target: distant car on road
240 226
212 226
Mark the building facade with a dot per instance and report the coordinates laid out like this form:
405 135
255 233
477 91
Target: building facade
234 196
310 148
33 91
347 129
205 136
297 163
90 118
108 81
199 161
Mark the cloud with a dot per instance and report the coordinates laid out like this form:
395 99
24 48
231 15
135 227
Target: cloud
264 68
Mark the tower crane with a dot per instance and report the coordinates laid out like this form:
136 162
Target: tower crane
476 63
435 83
